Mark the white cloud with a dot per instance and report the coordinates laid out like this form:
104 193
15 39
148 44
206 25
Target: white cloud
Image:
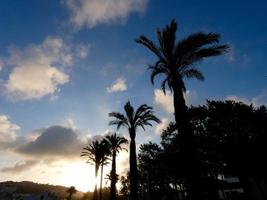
38 69
191 97
164 101
89 13
162 126
238 99
259 100
82 50
7 131
118 86
1 64
69 122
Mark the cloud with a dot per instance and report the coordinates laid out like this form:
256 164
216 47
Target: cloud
191 97
8 131
69 123
107 69
118 86
162 126
164 101
82 50
238 58
238 99
259 100
1 64
123 162
55 141
37 69
20 166
90 13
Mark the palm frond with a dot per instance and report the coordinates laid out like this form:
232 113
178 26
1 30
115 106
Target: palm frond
129 111
163 84
150 45
115 142
166 38
196 40
120 120
156 70
117 115
215 50
193 73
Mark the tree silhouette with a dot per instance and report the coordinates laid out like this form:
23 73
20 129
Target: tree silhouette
143 116
125 186
105 152
115 143
94 153
71 191
176 61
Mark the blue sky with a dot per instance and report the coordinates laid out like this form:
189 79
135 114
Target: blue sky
85 64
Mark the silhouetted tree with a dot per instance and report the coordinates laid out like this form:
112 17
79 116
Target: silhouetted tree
230 138
105 153
71 191
94 153
176 61
125 186
159 166
115 144
132 119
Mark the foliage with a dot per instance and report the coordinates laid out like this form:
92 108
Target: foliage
176 61
115 144
230 141
132 120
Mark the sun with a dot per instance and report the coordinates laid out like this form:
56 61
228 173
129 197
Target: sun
80 175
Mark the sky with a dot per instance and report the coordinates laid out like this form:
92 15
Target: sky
65 64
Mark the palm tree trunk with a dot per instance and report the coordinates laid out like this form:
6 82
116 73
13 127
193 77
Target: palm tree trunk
186 144
182 120
101 181
133 168
95 191
113 178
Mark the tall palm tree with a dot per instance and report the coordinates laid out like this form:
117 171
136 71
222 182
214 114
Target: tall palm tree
115 142
177 62
72 190
143 116
105 153
94 153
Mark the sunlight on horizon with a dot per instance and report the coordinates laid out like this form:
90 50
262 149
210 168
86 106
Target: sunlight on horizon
68 173
81 176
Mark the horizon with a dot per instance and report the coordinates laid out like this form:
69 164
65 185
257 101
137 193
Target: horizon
64 66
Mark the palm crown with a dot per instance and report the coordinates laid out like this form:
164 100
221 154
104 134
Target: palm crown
133 119
176 59
93 152
115 142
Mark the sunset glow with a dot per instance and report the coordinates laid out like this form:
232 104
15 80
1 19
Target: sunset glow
67 65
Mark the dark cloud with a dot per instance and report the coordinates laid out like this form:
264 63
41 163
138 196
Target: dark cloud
55 141
20 167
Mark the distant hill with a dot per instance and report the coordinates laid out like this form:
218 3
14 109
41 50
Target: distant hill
27 187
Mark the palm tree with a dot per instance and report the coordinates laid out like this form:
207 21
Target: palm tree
72 190
105 153
115 142
94 153
176 61
132 119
